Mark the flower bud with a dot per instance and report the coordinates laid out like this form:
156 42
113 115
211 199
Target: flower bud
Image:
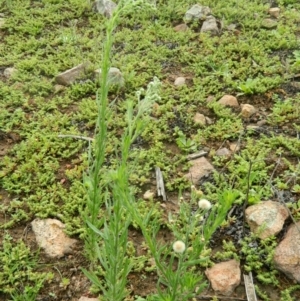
204 204
179 246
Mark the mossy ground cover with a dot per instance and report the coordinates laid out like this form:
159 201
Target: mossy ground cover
41 173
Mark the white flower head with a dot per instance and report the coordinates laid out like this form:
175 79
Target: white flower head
179 246
204 204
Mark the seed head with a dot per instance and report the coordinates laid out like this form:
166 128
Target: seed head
179 246
204 204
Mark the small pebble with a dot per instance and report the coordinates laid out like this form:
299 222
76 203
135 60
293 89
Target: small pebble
229 100
200 119
148 195
181 27
179 81
261 122
223 152
8 72
269 23
274 12
210 98
247 110
234 146
208 121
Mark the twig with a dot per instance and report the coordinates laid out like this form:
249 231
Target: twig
220 297
160 184
196 155
76 137
247 194
230 211
275 168
250 289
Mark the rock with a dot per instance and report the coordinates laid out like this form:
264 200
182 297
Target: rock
148 195
59 88
208 121
88 299
50 236
105 7
200 168
179 81
261 122
68 77
223 152
229 100
8 72
269 23
115 76
210 25
181 27
287 253
200 119
274 12
234 146
210 99
232 27
224 277
266 218
247 110
197 12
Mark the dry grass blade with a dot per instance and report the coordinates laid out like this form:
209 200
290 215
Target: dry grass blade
160 184
250 290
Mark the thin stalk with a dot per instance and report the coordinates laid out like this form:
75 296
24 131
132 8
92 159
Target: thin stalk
96 196
177 274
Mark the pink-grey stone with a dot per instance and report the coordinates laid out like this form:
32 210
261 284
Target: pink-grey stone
105 7
115 76
224 277
223 152
229 100
50 236
181 27
210 99
200 119
274 12
247 110
59 88
269 23
287 253
234 146
179 81
68 77
208 120
8 72
210 25
261 122
200 168
197 12
266 218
